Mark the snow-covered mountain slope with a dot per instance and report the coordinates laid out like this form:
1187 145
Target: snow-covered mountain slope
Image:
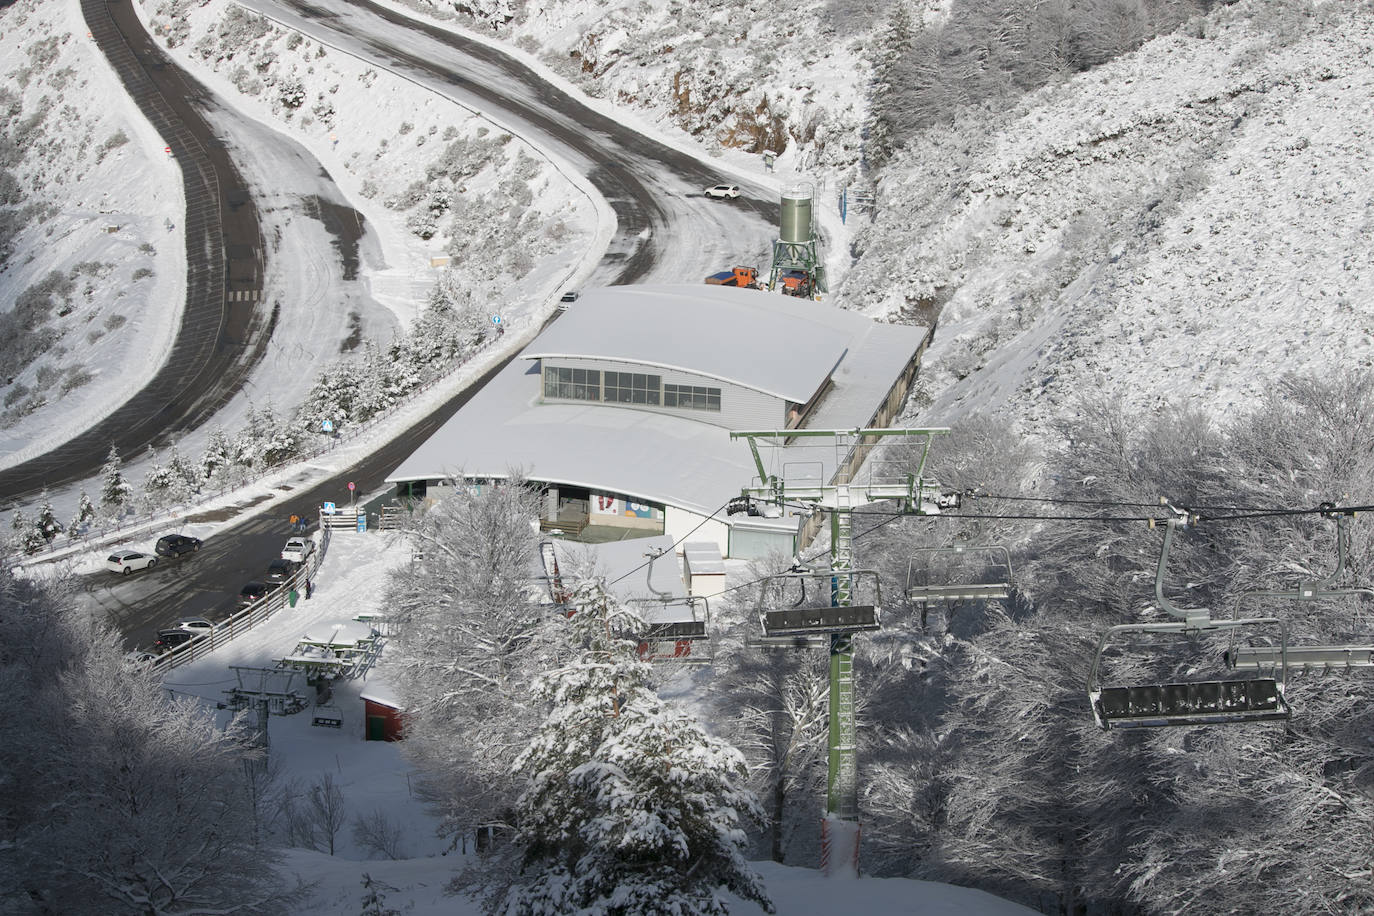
780 75
86 251
1186 224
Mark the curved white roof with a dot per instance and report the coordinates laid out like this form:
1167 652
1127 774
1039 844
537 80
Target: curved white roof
780 345
658 456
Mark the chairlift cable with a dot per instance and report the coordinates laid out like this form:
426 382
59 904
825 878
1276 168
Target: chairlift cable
708 518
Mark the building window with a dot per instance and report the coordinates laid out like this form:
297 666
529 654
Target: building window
691 397
632 388
572 384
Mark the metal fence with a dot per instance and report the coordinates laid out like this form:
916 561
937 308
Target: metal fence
259 611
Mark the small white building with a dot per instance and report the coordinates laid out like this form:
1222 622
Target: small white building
622 408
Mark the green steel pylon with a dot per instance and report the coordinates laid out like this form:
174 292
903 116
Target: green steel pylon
917 495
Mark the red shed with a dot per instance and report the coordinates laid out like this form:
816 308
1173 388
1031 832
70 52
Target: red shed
384 714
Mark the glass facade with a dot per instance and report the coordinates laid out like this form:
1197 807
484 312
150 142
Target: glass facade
632 388
572 384
692 397
626 388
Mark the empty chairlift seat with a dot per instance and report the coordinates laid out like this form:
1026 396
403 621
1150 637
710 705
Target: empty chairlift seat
801 603
959 573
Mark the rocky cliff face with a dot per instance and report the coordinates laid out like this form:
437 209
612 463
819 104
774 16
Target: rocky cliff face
779 76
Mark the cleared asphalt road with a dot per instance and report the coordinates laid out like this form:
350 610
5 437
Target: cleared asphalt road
221 337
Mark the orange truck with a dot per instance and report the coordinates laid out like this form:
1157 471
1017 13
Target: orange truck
743 277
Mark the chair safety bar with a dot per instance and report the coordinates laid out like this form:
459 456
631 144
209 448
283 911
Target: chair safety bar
998 559
801 621
1305 658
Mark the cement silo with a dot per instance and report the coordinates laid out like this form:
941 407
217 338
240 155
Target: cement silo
797 265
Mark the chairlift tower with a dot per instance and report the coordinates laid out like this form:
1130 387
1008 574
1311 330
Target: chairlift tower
918 495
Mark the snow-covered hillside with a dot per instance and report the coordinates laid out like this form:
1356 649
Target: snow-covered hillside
781 75
86 255
1186 224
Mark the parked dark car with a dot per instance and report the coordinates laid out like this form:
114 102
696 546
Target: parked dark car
170 639
253 591
174 545
281 570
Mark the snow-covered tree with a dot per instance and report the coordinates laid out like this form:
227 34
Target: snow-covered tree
471 636
217 461
85 513
24 537
632 807
115 492
114 798
266 441
46 524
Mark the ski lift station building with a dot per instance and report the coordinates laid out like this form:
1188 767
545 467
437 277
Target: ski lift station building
621 409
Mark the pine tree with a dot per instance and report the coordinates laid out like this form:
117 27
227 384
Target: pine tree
47 526
374 900
184 481
216 460
156 483
115 491
633 808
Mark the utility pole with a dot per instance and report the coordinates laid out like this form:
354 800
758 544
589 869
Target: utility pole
917 495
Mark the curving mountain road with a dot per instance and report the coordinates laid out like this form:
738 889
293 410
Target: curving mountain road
220 338
666 232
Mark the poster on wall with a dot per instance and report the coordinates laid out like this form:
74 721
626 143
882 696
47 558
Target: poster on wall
604 504
638 510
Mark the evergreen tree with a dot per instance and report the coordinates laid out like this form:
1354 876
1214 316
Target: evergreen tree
217 458
85 513
156 483
47 526
893 45
115 491
183 480
633 808
374 900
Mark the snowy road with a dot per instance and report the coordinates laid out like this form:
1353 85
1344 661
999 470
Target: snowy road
667 232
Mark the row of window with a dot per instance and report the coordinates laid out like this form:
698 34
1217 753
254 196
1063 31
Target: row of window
626 388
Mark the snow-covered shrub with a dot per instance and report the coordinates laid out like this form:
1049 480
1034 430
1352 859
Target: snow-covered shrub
291 93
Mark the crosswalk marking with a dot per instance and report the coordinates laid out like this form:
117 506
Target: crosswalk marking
245 295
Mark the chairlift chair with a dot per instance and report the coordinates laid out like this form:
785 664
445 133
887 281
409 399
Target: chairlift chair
558 592
824 603
1192 702
668 637
1323 659
992 564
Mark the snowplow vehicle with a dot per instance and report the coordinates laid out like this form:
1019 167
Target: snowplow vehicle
743 277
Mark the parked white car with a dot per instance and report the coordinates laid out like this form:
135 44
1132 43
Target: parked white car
126 561
723 191
298 549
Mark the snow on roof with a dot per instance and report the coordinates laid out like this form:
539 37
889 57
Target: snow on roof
625 566
379 691
650 456
703 558
343 633
780 345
